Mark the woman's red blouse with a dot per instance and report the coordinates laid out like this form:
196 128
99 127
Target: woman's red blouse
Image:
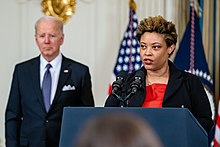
154 95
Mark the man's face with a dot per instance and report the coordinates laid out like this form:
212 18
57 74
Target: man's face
49 38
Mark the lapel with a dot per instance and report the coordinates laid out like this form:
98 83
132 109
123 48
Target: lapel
35 74
65 72
174 82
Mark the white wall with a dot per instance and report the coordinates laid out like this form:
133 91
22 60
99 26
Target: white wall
92 36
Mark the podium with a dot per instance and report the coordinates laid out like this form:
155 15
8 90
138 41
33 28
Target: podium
176 127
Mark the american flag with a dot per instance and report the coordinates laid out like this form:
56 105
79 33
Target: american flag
128 56
217 129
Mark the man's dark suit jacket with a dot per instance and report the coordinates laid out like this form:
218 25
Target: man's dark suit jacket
183 90
26 121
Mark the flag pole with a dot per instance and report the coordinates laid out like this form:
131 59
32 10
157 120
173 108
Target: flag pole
132 6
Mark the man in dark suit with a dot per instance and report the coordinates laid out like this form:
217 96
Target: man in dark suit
42 87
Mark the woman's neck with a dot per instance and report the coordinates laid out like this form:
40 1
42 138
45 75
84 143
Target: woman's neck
160 76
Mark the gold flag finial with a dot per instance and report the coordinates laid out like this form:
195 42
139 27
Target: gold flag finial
132 4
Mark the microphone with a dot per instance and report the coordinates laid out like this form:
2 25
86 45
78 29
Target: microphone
117 85
136 84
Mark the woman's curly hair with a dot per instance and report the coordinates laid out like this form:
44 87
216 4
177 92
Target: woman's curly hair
159 25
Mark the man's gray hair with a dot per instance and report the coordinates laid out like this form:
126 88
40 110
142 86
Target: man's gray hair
52 18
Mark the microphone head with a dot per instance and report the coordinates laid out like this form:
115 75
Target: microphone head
138 79
117 85
122 75
139 75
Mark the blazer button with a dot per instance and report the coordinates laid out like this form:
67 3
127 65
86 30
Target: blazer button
47 121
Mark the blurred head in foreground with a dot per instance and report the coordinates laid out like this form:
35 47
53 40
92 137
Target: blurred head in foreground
117 130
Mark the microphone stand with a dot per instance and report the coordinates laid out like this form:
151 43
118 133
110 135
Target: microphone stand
120 98
126 99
